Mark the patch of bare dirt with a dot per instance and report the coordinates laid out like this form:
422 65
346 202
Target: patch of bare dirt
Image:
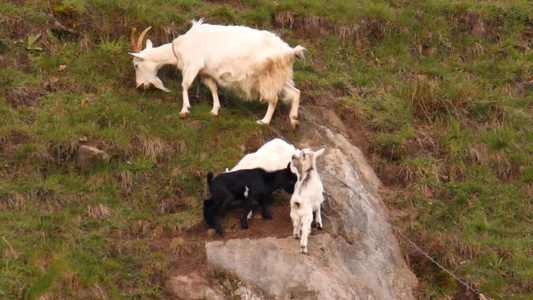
280 226
27 97
188 248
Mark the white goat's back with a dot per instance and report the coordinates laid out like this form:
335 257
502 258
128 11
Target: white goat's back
238 57
272 156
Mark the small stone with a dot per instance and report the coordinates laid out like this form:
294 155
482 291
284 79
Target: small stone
89 156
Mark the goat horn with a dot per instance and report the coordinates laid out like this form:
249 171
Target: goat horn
132 40
141 38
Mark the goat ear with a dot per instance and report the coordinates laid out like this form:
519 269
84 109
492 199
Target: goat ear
319 152
138 55
289 166
296 154
149 44
158 84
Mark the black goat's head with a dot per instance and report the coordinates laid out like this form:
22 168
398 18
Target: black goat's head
289 179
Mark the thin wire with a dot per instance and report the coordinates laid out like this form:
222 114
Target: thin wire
474 290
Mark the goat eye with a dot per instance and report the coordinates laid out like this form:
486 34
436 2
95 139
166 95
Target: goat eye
136 66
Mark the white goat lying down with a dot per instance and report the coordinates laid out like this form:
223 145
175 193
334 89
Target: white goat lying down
255 63
307 196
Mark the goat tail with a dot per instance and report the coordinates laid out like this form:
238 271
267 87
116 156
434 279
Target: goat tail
209 177
197 22
298 51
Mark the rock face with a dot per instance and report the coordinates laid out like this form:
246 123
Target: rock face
355 257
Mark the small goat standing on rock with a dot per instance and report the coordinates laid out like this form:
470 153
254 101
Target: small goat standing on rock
257 183
307 197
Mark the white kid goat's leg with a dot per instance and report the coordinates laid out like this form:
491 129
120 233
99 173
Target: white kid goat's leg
188 77
270 111
293 94
306 230
212 85
295 221
318 219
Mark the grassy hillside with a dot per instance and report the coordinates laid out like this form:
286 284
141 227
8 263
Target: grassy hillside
439 95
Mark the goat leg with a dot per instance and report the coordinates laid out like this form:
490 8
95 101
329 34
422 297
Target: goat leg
318 219
266 212
248 205
306 230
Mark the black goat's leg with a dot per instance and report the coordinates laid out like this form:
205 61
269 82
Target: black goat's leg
220 211
248 205
264 205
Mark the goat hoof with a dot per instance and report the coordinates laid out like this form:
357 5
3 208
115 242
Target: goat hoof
261 122
295 124
213 113
267 216
184 114
244 226
319 227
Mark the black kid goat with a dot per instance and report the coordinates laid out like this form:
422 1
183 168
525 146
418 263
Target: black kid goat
258 184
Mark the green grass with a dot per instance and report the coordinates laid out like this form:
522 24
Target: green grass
442 87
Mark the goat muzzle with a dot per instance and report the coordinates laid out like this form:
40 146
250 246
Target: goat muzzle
144 85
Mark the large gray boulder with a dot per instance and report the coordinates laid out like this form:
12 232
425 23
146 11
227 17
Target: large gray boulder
355 257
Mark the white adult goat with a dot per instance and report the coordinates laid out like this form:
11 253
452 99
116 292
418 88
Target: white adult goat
252 62
307 197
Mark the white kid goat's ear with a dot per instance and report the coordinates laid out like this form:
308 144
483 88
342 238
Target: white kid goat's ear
138 55
319 152
149 44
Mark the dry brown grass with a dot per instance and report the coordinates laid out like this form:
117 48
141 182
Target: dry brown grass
311 26
99 211
126 181
15 202
151 148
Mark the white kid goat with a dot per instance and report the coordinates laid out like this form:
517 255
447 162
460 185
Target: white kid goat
255 63
307 197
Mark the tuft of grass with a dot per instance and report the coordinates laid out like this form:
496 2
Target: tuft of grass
222 14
